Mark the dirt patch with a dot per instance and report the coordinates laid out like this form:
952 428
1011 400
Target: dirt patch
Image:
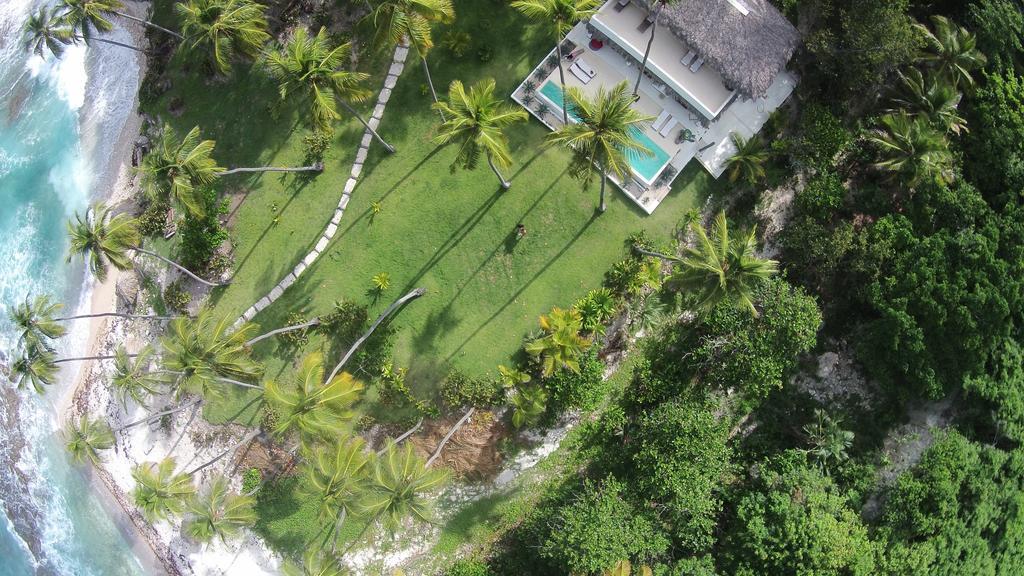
271 459
472 453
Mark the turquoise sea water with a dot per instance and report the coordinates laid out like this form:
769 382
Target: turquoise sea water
50 519
645 166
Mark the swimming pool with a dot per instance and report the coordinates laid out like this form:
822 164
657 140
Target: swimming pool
645 167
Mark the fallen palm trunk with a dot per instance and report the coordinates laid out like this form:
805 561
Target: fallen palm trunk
448 436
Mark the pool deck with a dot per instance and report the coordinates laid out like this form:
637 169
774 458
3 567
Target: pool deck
743 116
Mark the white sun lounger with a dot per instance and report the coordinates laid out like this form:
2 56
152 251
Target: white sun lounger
688 58
585 67
660 121
696 65
667 128
580 74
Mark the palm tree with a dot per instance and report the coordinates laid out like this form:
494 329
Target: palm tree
952 50
102 239
88 15
829 441
178 170
337 479
721 267
86 438
912 149
560 16
528 404
35 321
400 482
310 405
132 377
653 16
398 21
45 30
477 120
203 352
159 492
605 136
218 512
223 29
562 344
37 366
309 66
934 98
747 163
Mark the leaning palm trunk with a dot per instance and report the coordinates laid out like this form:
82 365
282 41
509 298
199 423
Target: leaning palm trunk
655 254
149 24
230 449
179 267
310 324
430 82
152 417
647 52
318 167
356 115
390 310
604 182
115 314
337 528
181 435
114 42
561 79
504 183
448 436
90 358
404 435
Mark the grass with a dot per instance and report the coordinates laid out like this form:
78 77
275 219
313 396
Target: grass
451 233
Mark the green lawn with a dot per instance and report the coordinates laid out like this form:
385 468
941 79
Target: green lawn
451 233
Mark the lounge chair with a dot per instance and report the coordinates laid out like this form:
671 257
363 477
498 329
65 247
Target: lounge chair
661 119
688 58
667 128
646 23
696 65
585 67
580 75
621 5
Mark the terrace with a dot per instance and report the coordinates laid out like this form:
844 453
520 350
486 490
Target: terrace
692 106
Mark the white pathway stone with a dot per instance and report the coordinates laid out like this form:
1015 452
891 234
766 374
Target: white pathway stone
394 71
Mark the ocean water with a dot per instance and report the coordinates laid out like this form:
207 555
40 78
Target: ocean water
55 140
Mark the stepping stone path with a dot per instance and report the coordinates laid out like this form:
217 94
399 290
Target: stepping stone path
397 65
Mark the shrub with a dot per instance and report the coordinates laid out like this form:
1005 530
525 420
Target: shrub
153 222
821 137
630 277
822 196
344 322
596 308
296 337
599 528
317 143
584 390
251 480
458 389
202 236
468 568
176 297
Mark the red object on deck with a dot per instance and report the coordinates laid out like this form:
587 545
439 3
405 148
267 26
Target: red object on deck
596 44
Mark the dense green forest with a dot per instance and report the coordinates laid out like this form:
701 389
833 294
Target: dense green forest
904 247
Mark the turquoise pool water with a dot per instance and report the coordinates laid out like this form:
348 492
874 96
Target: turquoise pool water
645 166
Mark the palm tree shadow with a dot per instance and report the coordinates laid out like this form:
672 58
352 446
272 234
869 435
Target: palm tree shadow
523 288
298 186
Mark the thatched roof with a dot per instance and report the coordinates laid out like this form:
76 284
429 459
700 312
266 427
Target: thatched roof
748 50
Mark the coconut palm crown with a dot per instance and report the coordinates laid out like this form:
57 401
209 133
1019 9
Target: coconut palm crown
337 478
85 438
747 164
101 239
160 492
35 321
223 29
308 66
605 136
46 30
88 16
722 267
952 50
216 511
562 344
311 406
132 378
476 121
178 170
401 481
203 350
35 366
912 149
